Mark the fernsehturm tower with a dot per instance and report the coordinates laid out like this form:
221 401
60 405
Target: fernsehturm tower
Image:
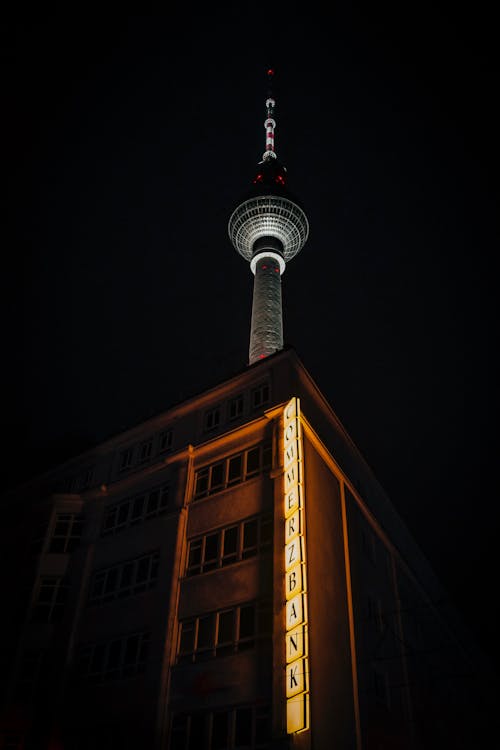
268 229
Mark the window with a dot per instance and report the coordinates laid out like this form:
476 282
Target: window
126 458
145 451
212 419
126 579
117 658
134 510
86 478
232 470
260 396
223 632
67 533
165 441
235 407
51 599
244 727
230 544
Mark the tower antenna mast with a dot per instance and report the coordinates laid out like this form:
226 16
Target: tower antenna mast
270 122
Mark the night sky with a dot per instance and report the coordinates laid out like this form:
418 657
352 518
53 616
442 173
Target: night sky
128 141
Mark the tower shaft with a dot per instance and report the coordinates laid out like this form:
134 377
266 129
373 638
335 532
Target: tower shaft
266 332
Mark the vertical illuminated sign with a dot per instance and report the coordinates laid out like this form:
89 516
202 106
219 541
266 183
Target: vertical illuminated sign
297 661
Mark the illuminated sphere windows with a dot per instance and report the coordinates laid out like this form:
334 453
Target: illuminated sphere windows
268 216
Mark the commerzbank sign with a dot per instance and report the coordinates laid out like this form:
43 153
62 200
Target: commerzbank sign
296 635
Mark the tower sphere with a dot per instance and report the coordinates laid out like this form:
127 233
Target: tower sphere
268 210
268 216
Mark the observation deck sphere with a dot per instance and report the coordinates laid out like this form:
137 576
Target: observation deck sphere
268 216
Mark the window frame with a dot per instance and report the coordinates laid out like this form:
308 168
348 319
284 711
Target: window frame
206 472
263 542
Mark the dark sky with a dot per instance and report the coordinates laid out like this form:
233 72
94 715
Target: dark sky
127 142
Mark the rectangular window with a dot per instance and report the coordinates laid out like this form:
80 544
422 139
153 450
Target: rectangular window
51 600
126 458
114 659
165 441
86 478
126 579
145 451
212 419
230 544
135 510
232 470
260 396
67 532
246 727
224 632
235 407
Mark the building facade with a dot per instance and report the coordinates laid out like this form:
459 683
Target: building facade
228 574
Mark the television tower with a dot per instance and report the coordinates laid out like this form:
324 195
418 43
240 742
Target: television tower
268 229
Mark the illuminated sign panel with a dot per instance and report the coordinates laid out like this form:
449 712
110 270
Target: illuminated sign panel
297 662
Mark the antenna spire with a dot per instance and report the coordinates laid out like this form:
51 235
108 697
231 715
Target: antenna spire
270 123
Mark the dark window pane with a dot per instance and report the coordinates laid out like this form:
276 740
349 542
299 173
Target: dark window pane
243 727
236 407
230 544
253 461
57 546
178 732
138 508
217 476
153 501
126 576
111 581
110 519
226 627
235 469
77 527
122 513
194 560
220 730
61 528
262 726
211 551
197 733
114 655
46 592
205 632
187 637
201 482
